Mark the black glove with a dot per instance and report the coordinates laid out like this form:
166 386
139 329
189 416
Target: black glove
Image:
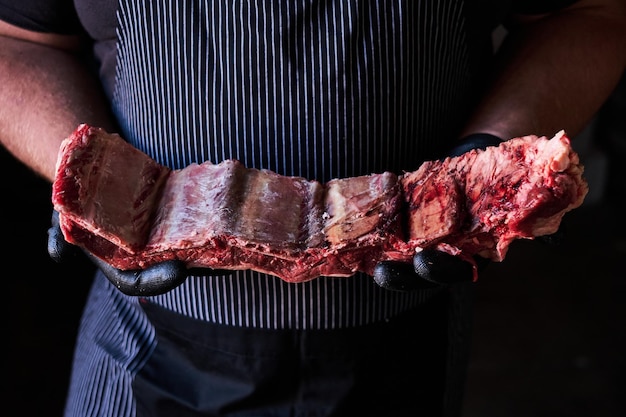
156 279
474 141
432 267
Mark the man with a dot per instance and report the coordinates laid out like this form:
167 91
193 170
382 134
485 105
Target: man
314 89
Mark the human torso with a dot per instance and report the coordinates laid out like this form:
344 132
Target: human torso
307 88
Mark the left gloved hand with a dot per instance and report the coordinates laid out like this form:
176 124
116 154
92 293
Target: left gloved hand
432 267
154 280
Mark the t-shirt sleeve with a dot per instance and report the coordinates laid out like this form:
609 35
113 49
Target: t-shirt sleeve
48 16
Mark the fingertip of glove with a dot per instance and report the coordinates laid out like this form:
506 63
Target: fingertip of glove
160 278
58 248
442 268
397 276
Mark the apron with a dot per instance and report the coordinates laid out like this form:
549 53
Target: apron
318 89
207 369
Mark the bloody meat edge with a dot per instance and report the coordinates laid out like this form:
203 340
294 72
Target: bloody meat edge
125 208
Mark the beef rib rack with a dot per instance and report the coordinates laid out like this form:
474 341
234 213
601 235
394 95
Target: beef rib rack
125 208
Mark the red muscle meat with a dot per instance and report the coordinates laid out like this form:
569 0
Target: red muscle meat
123 207
478 203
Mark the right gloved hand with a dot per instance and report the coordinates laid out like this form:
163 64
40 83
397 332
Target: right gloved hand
154 280
431 267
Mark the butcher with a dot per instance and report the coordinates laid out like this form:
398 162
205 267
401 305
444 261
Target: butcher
320 90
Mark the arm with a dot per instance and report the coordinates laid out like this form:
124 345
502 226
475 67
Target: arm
46 92
554 71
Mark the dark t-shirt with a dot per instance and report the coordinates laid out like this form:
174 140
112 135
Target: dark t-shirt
60 16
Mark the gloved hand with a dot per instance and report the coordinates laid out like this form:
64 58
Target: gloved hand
154 280
432 267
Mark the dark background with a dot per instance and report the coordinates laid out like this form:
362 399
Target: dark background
549 323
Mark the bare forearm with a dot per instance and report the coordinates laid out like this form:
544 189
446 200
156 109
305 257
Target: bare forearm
555 75
46 92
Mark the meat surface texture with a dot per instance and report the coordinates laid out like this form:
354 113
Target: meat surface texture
478 203
122 206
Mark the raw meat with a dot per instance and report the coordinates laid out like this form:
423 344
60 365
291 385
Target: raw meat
123 207
480 202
